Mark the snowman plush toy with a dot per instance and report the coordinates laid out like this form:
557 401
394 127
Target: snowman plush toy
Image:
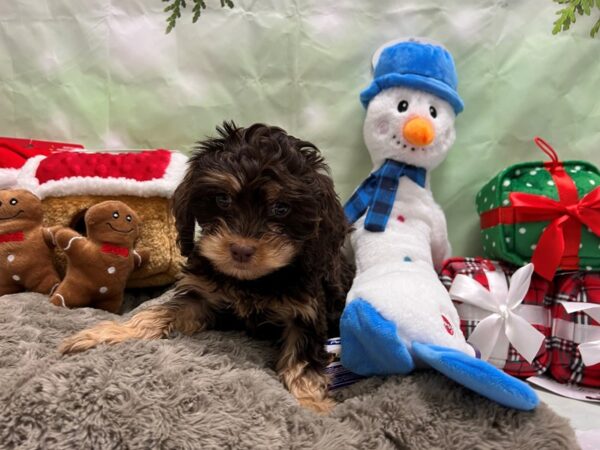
398 315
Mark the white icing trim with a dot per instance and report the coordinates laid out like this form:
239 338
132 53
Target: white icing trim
136 254
26 178
8 177
54 288
163 187
62 300
74 238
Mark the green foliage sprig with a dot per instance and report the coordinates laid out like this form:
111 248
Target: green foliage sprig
175 7
573 8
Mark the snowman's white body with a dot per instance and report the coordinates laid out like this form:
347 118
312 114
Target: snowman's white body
395 268
398 315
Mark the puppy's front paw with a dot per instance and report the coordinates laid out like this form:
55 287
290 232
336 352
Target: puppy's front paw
309 386
89 338
322 406
79 342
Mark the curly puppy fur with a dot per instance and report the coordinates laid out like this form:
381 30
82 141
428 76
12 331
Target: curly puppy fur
268 257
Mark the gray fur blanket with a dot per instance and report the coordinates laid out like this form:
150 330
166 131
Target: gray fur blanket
218 390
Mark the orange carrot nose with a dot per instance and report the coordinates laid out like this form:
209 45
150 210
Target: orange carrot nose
418 131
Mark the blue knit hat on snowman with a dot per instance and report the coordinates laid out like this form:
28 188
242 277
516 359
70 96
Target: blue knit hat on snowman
418 65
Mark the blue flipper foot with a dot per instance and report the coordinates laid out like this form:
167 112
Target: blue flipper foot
478 375
370 343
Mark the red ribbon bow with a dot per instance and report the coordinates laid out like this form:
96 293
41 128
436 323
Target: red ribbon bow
115 250
566 218
12 237
558 245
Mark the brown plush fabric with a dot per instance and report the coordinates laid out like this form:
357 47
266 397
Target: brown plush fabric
99 264
157 233
219 390
25 257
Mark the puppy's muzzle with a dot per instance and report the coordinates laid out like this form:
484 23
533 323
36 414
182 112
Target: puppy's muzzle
242 253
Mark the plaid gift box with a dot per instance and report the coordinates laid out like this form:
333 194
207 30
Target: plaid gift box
546 213
570 330
535 308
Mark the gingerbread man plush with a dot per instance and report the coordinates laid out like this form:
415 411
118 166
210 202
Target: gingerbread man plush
25 257
99 265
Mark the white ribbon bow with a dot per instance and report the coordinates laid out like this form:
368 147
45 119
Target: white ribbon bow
503 323
590 351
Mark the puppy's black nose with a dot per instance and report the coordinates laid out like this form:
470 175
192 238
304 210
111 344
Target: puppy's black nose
242 253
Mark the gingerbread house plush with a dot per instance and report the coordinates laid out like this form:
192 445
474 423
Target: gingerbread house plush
69 183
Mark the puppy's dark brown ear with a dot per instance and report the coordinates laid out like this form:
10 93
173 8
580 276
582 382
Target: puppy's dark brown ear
325 251
332 232
333 226
183 213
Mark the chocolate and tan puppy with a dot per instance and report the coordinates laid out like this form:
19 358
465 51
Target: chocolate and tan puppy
25 257
99 265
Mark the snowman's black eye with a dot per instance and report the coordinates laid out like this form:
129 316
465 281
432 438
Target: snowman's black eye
402 106
13 201
433 112
128 218
116 214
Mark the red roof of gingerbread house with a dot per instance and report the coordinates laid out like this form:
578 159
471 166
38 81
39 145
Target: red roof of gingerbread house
14 152
150 173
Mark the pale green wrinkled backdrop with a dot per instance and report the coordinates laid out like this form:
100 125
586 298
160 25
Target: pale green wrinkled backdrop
103 73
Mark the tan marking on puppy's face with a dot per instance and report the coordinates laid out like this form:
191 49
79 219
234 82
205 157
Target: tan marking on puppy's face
224 179
19 210
272 191
113 222
271 252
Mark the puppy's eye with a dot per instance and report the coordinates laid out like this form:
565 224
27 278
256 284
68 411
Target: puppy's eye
280 209
402 106
128 218
116 214
433 112
13 201
223 201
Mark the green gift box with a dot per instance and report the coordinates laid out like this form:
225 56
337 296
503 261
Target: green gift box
547 213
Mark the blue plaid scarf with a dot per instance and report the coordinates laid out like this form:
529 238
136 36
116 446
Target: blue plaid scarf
377 193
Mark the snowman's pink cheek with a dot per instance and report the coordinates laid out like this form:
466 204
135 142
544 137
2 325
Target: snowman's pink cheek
383 127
